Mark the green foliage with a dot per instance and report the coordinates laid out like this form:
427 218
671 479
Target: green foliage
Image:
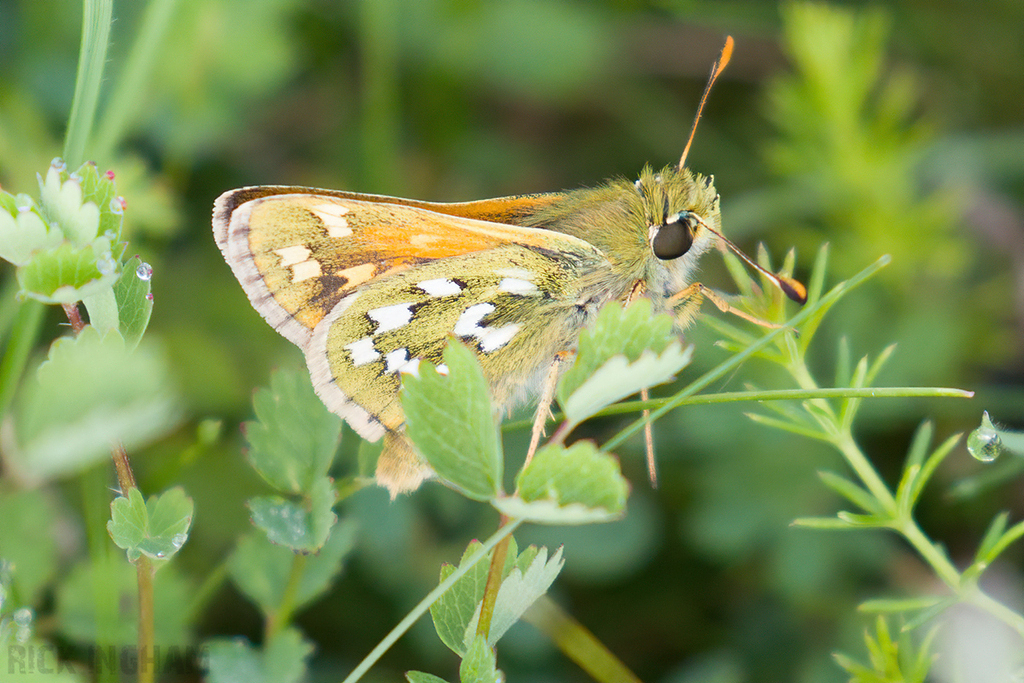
524 578
89 393
450 419
157 527
294 439
28 549
626 350
265 572
575 485
281 660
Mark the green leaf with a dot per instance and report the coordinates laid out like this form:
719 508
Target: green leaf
261 569
892 605
302 528
295 437
134 302
479 665
88 394
156 528
27 542
62 202
575 485
450 420
65 274
458 606
421 677
282 660
519 589
627 350
102 308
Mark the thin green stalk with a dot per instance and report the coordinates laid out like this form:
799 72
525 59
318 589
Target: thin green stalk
128 97
92 57
27 322
577 642
865 470
406 623
147 614
282 616
626 407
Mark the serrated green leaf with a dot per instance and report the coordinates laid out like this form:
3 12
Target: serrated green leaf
295 437
617 331
282 660
574 485
88 394
619 378
156 528
479 665
300 527
134 305
517 592
261 569
62 202
450 420
65 274
454 610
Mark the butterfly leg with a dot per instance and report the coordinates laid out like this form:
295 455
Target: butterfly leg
692 297
547 397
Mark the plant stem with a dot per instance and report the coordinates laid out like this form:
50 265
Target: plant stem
578 643
146 654
406 623
91 58
483 626
282 616
862 466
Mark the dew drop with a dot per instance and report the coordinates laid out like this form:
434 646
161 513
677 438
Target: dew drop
984 443
178 540
23 617
144 272
149 296
160 554
117 205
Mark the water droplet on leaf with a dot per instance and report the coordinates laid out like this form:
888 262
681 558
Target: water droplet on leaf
106 264
144 272
984 442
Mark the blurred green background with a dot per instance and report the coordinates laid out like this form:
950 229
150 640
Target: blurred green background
876 127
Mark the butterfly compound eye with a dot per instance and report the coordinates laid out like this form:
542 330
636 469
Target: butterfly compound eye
674 238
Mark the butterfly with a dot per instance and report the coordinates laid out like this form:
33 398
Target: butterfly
369 286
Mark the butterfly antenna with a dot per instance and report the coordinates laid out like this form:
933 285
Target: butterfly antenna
791 287
716 68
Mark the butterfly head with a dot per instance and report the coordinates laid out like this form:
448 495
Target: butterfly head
680 218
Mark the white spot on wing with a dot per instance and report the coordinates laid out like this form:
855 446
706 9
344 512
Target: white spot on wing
362 351
468 324
292 255
442 369
411 368
440 287
333 217
514 285
396 360
390 317
339 229
493 338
